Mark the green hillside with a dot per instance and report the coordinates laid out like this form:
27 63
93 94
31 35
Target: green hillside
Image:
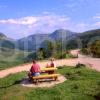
11 57
82 40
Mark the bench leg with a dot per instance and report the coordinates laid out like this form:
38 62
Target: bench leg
30 79
55 78
36 81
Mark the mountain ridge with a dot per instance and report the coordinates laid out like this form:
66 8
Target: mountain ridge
34 41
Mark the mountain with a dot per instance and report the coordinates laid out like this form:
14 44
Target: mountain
61 34
33 42
70 39
89 36
6 42
83 40
2 36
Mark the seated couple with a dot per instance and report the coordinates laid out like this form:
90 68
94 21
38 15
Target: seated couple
35 69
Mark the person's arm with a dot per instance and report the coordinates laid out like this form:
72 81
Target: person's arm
31 69
48 65
55 65
39 68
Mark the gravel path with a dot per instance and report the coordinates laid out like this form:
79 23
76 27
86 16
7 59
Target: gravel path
93 62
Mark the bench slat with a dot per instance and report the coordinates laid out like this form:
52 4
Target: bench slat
45 76
48 69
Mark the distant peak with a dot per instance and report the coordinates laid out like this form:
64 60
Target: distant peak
62 30
2 36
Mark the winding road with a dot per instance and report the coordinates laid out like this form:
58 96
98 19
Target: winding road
90 62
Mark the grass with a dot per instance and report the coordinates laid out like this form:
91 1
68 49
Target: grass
11 57
82 84
70 56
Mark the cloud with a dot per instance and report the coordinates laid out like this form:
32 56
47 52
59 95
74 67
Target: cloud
97 24
33 24
46 12
22 21
71 5
45 23
80 27
96 17
83 25
31 20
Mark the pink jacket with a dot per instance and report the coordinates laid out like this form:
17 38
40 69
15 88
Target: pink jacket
35 68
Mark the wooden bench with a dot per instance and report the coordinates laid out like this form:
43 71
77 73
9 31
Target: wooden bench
48 69
50 76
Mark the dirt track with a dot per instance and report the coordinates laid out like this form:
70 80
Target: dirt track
93 62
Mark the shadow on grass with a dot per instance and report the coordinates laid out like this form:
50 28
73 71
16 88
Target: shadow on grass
16 82
97 97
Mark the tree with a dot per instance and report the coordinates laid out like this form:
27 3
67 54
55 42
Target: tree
41 54
95 48
49 48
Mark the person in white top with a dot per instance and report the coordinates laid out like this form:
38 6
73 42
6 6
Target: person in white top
51 65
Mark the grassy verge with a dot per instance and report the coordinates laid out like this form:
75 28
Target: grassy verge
11 57
7 64
82 84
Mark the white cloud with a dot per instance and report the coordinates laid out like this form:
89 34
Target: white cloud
83 25
97 24
71 5
31 24
46 23
21 21
96 17
80 27
31 20
46 12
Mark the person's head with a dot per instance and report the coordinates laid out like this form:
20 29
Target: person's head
34 61
52 59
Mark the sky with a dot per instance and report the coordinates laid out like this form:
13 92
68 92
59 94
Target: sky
20 18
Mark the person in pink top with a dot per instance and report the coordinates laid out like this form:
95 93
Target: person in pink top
35 69
51 65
